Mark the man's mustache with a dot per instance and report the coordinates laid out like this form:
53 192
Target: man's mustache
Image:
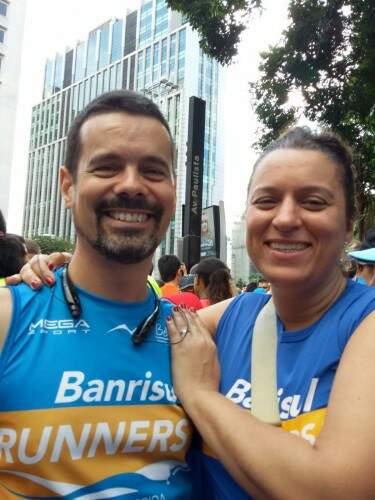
126 203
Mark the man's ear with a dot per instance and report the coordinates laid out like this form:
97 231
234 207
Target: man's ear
66 186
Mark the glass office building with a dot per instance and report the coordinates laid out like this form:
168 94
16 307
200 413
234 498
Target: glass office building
12 20
151 50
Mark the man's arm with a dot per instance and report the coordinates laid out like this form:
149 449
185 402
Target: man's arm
6 308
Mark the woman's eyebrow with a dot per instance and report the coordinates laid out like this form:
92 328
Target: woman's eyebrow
313 188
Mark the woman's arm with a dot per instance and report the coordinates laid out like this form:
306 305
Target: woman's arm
39 270
340 465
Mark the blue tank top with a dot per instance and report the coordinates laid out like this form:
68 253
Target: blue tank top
306 365
83 412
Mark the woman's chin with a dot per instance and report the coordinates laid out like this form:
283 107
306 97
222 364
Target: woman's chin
287 279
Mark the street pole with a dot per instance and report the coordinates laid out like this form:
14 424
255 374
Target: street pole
194 181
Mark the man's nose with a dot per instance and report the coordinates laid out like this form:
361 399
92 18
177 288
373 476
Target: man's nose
288 216
130 181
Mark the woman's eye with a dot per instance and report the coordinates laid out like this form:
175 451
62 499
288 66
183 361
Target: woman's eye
264 203
314 203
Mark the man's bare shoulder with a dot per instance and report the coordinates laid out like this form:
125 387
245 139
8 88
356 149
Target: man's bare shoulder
6 307
211 315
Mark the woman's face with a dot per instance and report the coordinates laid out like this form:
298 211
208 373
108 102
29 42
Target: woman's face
296 217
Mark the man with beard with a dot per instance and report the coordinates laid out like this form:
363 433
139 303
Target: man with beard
87 407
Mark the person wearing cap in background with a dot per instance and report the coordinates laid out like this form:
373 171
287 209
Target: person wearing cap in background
365 259
186 295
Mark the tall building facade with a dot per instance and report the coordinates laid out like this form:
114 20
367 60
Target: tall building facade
151 50
12 20
241 265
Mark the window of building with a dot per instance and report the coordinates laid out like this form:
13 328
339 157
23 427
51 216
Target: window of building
79 62
2 34
125 74
112 78
140 71
148 66
130 33
164 48
181 55
1 60
48 78
91 63
116 40
156 64
161 18
104 46
58 80
145 25
172 57
3 8
132 72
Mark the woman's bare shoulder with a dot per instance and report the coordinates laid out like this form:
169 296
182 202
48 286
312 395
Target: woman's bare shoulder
211 315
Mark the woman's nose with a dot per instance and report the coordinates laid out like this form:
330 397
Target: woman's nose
287 217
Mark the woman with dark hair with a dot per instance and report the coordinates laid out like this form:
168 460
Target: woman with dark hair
212 281
12 254
300 213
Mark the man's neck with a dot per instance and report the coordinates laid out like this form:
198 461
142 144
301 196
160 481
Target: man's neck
298 309
112 280
174 282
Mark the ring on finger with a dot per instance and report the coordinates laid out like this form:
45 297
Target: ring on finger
184 331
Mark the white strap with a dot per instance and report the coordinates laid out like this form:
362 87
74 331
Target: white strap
264 403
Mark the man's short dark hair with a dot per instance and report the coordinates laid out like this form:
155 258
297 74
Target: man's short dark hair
168 266
116 101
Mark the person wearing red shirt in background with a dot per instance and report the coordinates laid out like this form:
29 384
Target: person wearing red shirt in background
186 295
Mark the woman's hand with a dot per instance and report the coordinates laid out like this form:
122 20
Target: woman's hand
195 366
39 270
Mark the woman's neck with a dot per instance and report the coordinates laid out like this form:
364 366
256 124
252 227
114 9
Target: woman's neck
298 308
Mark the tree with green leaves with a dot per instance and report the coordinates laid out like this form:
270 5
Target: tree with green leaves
49 244
240 283
328 54
218 22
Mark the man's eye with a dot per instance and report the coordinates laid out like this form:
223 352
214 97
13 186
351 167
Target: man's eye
105 170
154 173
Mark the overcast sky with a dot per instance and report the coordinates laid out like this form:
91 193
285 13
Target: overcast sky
52 25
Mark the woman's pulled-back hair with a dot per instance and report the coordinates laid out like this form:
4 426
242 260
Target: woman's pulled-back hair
327 143
216 278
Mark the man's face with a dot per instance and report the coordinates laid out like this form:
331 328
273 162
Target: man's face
123 196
